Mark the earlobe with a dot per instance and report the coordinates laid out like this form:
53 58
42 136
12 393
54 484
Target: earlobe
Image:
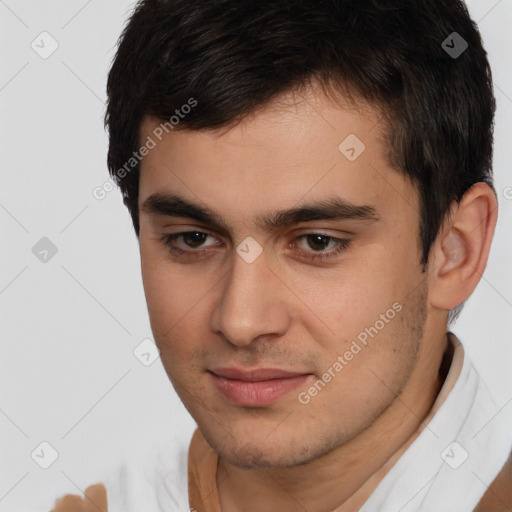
462 248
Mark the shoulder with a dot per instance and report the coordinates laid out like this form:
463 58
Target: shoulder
498 497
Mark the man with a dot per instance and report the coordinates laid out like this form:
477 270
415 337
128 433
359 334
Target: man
310 184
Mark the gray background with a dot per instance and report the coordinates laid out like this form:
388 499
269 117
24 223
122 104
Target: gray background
70 324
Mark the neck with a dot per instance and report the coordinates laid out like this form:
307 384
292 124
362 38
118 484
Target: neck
343 479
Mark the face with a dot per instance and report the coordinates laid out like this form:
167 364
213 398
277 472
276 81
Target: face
282 276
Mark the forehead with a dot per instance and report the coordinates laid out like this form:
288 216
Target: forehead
298 147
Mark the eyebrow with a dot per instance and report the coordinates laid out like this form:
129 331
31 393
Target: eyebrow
336 208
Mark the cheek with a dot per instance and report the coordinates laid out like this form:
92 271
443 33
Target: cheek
171 294
176 306
370 367
166 300
348 300
361 307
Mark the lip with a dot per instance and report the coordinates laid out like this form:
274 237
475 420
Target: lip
258 387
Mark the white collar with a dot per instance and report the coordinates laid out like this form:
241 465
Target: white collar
457 455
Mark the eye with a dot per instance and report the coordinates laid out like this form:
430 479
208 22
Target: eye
192 240
193 244
318 242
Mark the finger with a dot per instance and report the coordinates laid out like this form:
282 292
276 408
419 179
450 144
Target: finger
96 498
69 503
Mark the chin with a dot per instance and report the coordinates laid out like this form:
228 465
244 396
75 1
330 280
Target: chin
264 453
250 456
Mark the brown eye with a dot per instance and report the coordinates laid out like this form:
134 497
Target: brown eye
318 242
317 245
194 239
192 244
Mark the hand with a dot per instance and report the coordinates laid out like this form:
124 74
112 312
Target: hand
95 500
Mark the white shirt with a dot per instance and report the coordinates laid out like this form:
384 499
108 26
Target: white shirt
156 482
434 475
447 468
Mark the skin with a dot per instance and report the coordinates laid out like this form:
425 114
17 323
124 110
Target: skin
211 308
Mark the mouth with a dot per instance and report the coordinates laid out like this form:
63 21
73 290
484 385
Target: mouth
258 387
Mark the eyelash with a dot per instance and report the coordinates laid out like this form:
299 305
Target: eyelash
342 245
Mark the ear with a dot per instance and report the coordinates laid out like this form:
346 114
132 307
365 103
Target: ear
460 253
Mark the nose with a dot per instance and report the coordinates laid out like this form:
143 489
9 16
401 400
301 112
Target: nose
251 302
